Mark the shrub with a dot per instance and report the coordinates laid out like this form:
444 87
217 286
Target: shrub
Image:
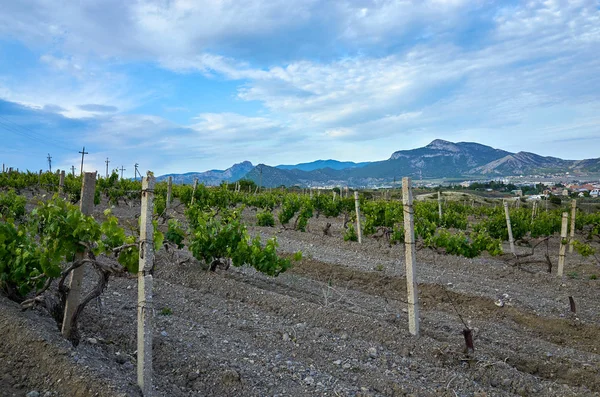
350 234
175 234
265 218
12 205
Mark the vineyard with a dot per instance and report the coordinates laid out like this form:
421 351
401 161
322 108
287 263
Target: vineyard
296 292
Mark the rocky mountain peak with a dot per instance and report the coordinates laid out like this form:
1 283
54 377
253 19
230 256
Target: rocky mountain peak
440 144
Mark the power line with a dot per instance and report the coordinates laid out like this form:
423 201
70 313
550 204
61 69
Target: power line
17 129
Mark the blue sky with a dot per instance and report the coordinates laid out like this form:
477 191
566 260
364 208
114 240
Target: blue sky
183 85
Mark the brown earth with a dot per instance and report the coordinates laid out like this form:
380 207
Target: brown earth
335 325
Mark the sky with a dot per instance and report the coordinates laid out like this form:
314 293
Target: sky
181 85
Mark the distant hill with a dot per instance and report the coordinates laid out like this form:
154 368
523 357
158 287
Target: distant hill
212 177
320 164
439 159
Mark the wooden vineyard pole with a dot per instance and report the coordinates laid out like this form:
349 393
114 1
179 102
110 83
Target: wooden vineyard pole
86 205
563 245
572 231
440 204
61 182
194 190
334 194
169 191
145 303
511 241
357 206
409 249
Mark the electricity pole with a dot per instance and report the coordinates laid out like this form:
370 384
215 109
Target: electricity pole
136 172
49 162
83 153
122 169
107 161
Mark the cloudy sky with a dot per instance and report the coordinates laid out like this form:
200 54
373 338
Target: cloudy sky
185 85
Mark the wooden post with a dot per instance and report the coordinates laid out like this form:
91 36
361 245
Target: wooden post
61 182
409 250
357 206
440 204
311 193
169 191
194 190
563 246
511 241
334 194
86 205
572 234
145 302
533 209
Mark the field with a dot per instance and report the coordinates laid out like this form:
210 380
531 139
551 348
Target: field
334 324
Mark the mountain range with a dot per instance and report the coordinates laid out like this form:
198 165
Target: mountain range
439 159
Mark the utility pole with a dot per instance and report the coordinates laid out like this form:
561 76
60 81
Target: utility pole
136 173
107 161
73 170
49 162
122 169
83 153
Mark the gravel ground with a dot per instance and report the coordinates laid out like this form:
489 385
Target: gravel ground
334 325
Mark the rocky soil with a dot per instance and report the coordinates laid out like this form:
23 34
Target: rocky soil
334 325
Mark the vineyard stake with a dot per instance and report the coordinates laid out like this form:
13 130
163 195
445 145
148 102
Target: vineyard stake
409 248
61 182
440 204
86 206
145 303
511 241
357 206
563 246
572 234
194 190
334 193
169 191
572 305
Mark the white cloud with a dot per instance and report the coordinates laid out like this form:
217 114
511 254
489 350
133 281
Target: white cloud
327 74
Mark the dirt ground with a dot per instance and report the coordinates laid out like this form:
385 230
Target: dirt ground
334 325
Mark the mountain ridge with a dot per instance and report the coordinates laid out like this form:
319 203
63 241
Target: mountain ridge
438 159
